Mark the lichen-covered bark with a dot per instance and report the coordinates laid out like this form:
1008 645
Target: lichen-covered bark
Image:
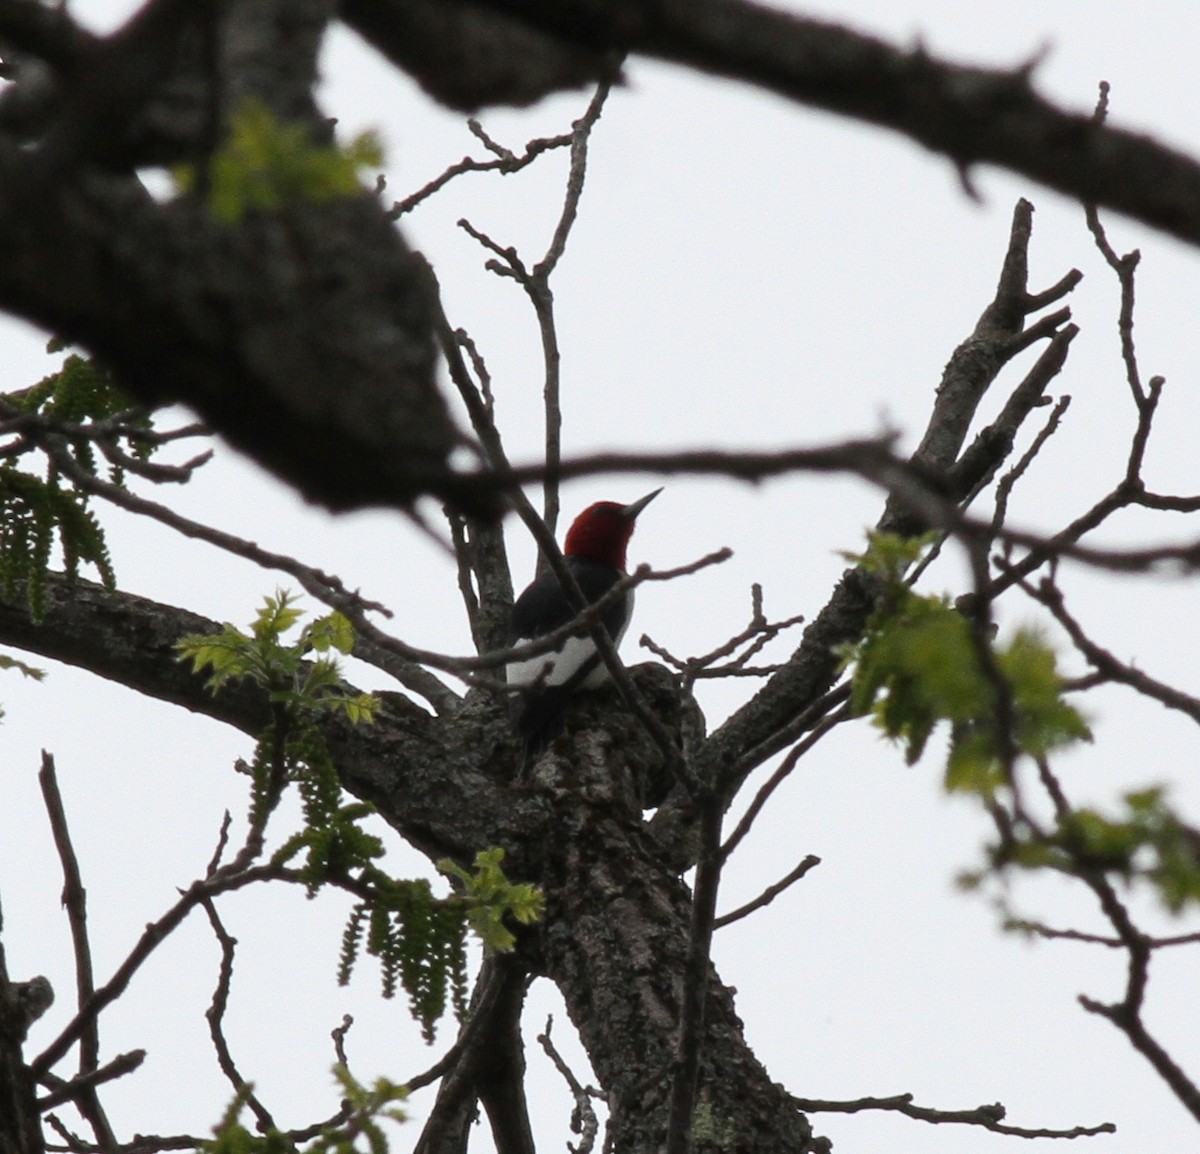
615 942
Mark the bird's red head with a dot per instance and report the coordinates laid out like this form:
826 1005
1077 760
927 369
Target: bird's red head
602 531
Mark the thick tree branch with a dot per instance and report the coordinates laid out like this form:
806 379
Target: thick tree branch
433 780
303 336
765 725
468 56
970 115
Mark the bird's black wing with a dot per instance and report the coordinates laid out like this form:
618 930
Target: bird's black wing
541 609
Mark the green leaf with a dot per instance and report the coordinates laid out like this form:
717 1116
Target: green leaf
972 767
331 632
266 163
889 556
1044 719
492 897
277 616
919 664
31 671
359 708
915 667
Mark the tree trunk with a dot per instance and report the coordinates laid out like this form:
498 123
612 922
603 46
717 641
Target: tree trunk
615 941
21 1003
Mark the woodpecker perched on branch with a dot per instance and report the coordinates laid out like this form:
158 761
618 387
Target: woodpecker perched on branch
595 555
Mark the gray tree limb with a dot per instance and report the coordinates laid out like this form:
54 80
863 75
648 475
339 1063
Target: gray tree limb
969 115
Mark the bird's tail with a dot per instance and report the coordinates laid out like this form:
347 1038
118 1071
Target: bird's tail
540 720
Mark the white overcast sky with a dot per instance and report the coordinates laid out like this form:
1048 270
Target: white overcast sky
744 272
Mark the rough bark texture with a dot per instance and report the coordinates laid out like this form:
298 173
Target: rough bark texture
615 942
303 335
21 1004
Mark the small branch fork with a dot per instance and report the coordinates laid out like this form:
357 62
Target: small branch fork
755 637
536 283
1130 490
29 431
503 161
1126 1014
82 1089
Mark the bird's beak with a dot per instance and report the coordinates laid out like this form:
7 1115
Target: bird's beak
630 512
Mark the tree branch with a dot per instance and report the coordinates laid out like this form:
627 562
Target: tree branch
969 115
986 1117
761 727
74 899
434 780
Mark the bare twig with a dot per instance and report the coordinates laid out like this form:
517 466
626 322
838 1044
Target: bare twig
323 586
807 721
755 637
1103 661
214 862
769 894
70 1091
542 299
155 934
1126 1014
506 163
583 1116
73 1144
215 1015
338 1034
1125 267
536 283
74 899
1008 481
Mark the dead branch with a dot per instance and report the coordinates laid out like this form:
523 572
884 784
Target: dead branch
74 899
215 1015
986 1117
583 1116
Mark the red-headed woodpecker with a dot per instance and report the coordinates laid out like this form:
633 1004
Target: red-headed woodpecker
595 555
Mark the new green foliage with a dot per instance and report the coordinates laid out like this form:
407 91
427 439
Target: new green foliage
266 163
492 898
920 662
304 683
419 939
358 1130
1145 840
67 411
